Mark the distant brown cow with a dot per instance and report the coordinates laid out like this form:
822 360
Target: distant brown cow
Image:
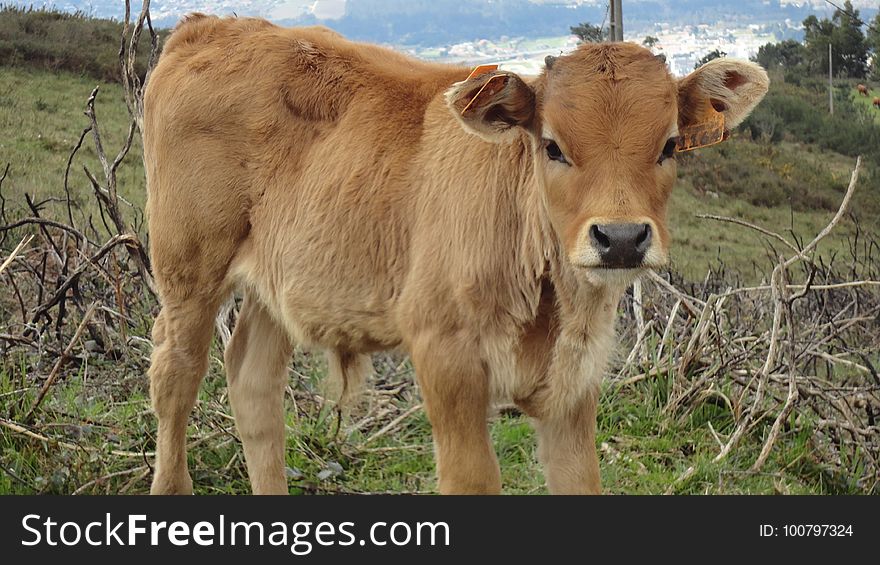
863 90
363 200
877 102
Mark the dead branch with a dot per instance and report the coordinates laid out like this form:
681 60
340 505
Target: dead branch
72 279
16 251
750 225
107 193
65 355
785 381
3 201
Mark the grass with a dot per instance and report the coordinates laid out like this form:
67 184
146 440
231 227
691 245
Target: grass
642 449
700 244
101 404
41 117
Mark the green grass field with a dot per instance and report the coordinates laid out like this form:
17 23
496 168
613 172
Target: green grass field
100 406
699 244
41 117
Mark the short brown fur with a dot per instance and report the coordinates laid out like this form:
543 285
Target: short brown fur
340 188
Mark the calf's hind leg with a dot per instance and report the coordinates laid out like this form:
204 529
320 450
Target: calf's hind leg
256 369
181 337
198 218
190 259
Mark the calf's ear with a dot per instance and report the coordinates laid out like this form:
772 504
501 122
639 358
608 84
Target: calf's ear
490 105
729 86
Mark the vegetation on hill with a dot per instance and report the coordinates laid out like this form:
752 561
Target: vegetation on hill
853 41
49 39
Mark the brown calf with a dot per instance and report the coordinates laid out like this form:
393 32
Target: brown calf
340 187
863 90
876 102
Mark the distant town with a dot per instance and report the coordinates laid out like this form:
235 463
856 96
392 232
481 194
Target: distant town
683 46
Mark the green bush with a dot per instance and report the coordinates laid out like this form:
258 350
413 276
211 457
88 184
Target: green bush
53 40
765 126
796 108
777 175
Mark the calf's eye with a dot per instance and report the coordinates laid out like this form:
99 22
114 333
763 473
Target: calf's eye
554 153
668 150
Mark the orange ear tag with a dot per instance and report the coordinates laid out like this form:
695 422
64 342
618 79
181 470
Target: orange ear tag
481 70
489 89
706 133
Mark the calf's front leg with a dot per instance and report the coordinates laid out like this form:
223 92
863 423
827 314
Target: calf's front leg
455 389
567 447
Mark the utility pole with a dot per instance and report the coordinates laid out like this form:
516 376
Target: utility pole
615 32
830 83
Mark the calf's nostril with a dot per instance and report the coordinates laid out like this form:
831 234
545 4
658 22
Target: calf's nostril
643 242
600 238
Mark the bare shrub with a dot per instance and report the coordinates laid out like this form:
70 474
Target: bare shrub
798 351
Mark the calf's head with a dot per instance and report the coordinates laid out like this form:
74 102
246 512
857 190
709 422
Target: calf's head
606 122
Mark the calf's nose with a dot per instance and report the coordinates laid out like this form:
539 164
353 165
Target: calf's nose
621 246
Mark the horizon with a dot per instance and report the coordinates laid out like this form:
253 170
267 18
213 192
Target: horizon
517 34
